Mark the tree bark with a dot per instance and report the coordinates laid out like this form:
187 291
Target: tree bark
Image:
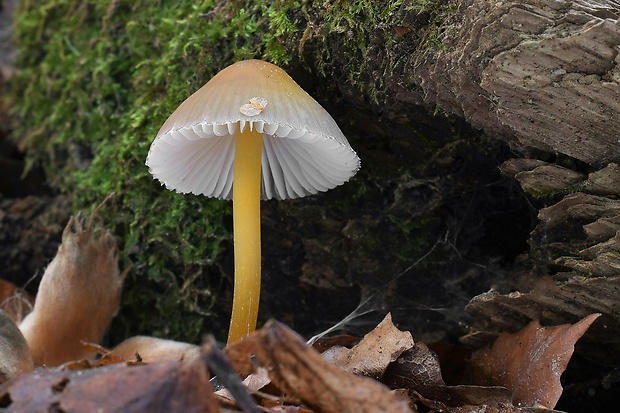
539 74
544 77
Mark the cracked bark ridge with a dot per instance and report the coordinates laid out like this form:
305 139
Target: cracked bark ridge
581 232
554 303
578 241
538 73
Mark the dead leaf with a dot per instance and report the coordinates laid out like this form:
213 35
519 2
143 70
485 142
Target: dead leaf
15 301
371 356
531 361
152 349
454 361
15 357
418 369
253 383
494 399
78 296
157 388
227 376
556 302
323 344
107 357
300 371
75 365
240 356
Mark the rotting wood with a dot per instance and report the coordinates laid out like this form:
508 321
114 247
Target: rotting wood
544 76
539 74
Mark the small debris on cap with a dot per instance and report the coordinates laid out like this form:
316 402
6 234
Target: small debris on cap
256 106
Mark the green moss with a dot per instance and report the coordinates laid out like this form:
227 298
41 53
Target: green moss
369 40
551 195
97 79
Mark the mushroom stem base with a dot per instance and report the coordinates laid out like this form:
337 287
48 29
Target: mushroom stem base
246 227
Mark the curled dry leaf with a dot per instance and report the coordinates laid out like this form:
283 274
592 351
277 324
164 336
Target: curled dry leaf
418 369
371 356
226 375
253 383
78 296
240 355
107 357
301 372
15 357
323 344
15 301
531 361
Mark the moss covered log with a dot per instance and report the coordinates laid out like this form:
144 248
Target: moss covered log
96 80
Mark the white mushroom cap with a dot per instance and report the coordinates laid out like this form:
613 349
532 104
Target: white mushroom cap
304 151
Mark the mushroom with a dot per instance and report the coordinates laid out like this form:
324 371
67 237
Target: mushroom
253 124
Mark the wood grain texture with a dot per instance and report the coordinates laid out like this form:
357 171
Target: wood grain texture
540 74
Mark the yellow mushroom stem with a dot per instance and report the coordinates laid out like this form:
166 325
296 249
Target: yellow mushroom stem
246 228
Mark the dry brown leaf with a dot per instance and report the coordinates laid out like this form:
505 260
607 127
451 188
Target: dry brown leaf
323 344
254 382
75 365
15 301
106 356
498 399
371 356
157 388
226 375
418 369
556 302
78 296
152 349
507 408
301 372
240 355
530 361
15 357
